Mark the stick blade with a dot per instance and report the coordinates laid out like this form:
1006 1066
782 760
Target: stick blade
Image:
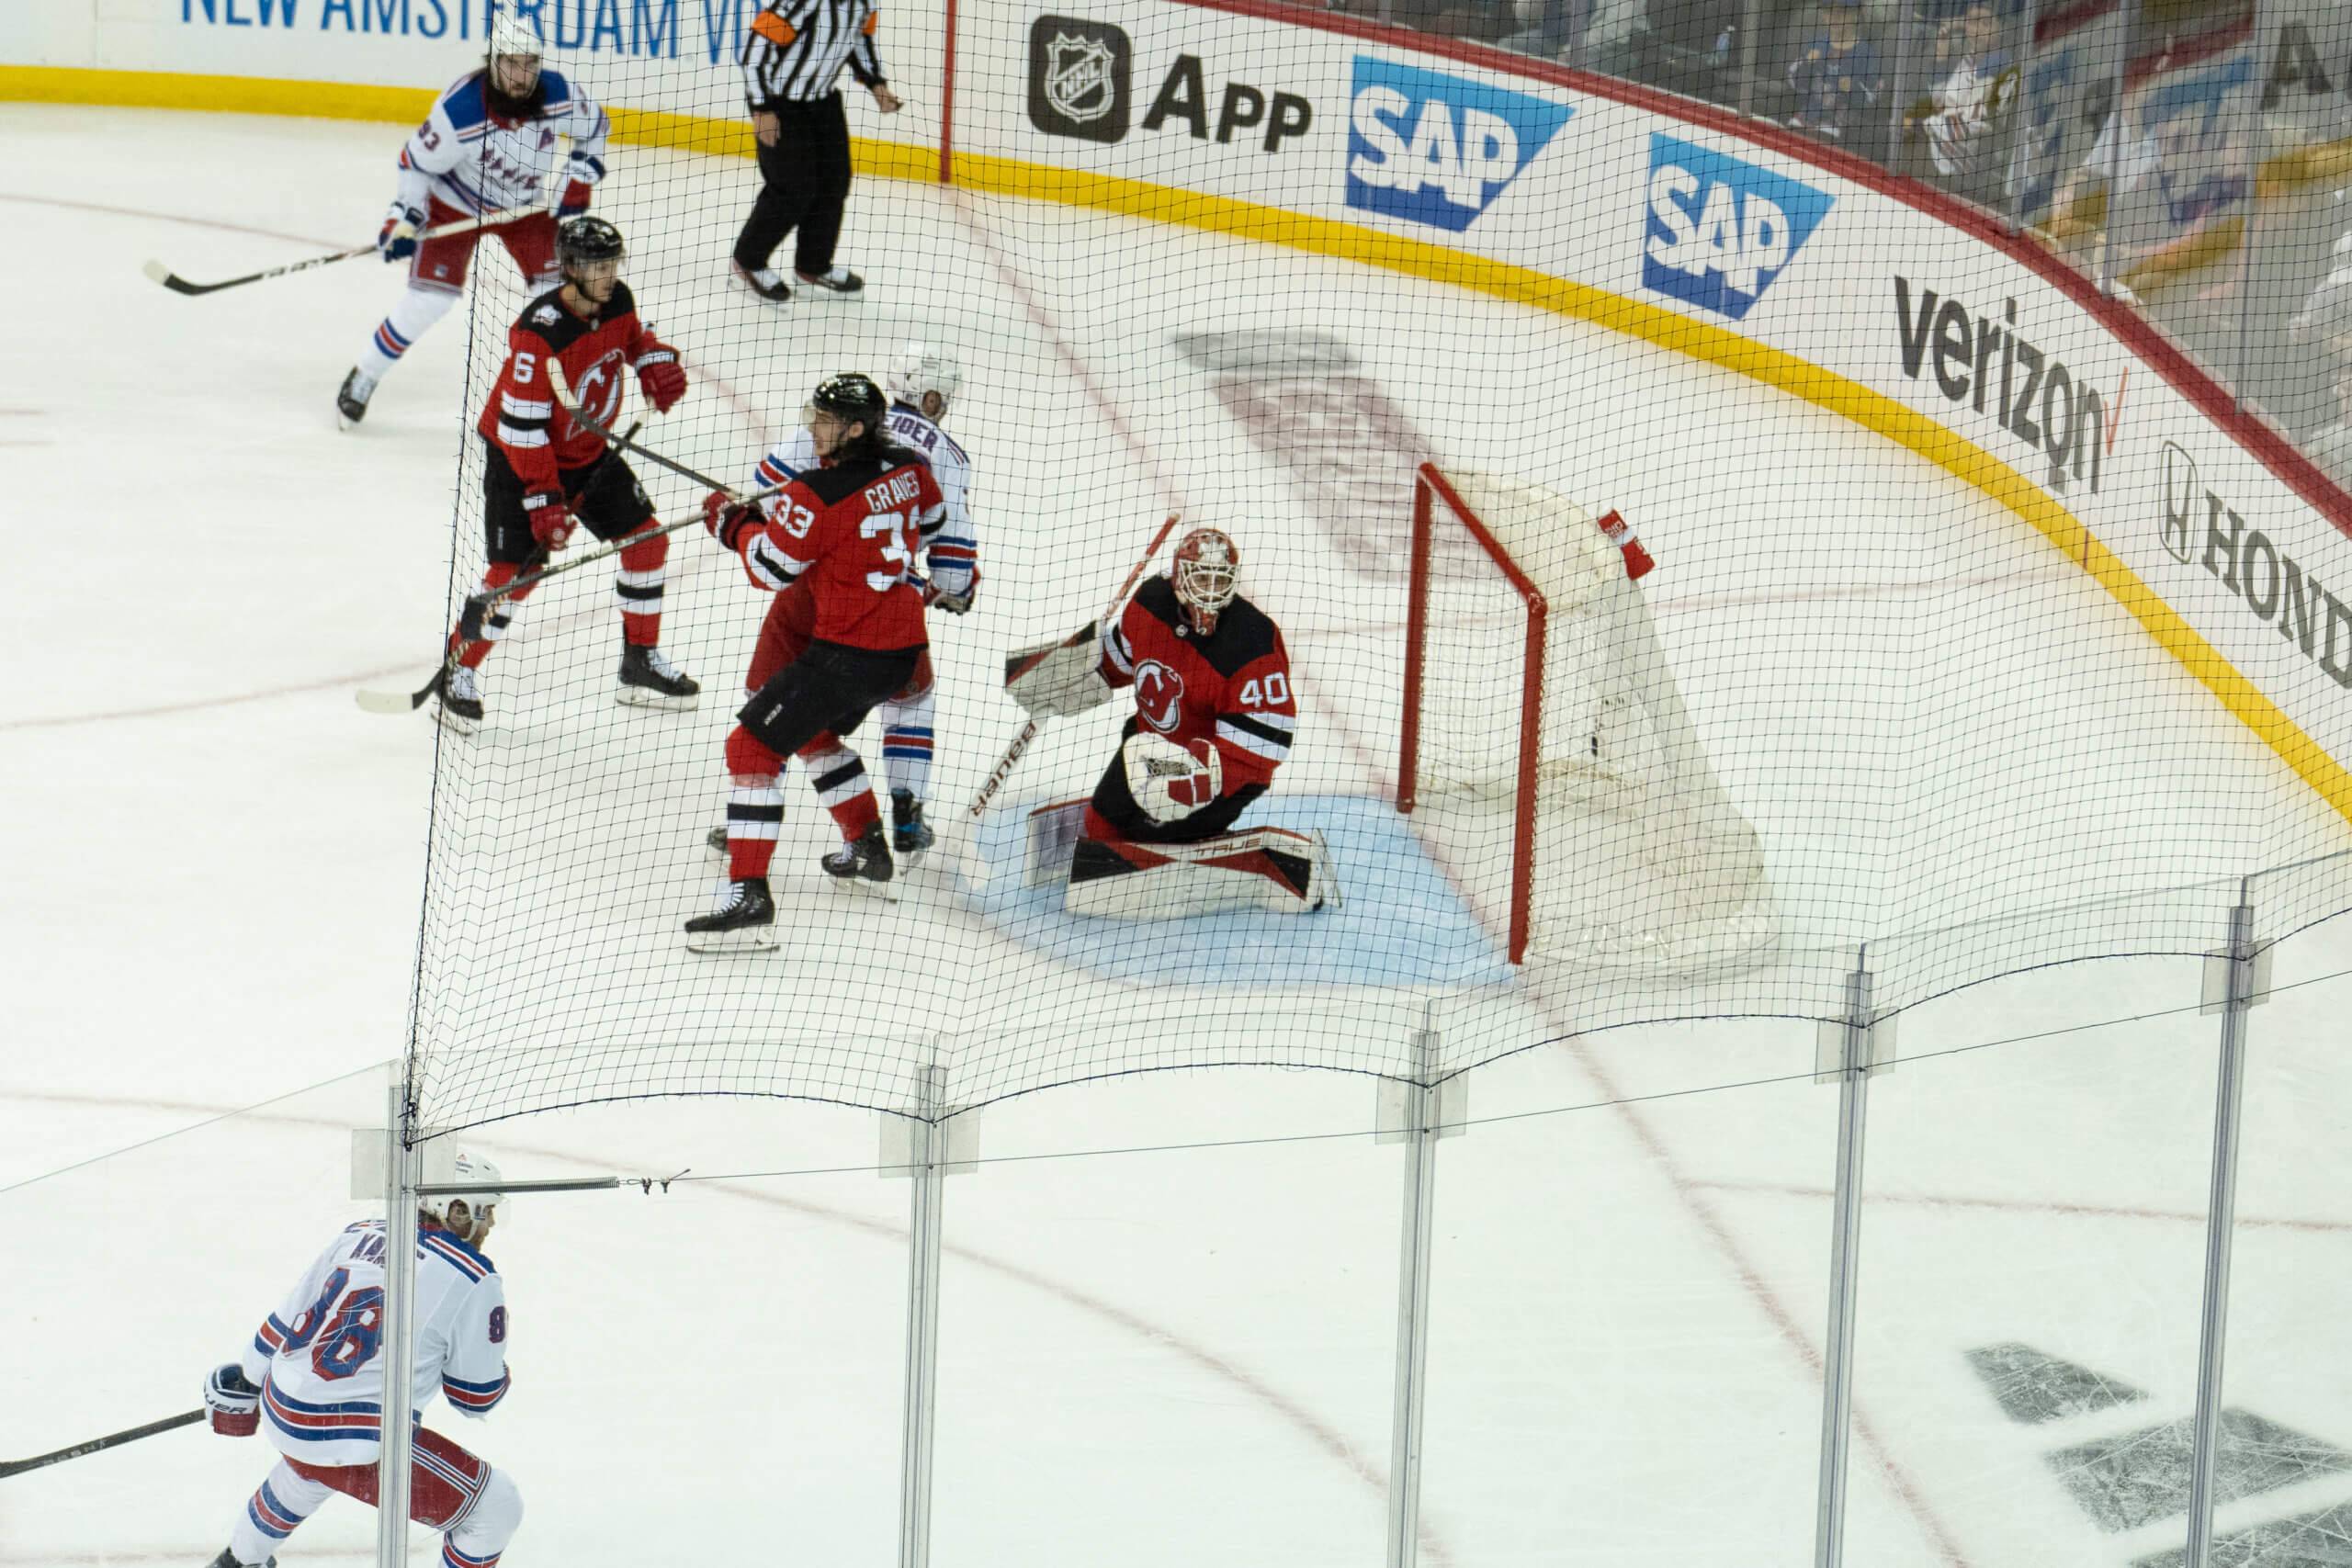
388 702
158 271
175 282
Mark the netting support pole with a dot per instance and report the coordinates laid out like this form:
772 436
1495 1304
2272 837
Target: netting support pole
927 1166
1848 1053
399 1341
1412 1114
2232 987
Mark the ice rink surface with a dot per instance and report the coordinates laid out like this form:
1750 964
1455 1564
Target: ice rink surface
216 863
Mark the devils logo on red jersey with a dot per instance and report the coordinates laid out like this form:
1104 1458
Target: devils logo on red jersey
1159 695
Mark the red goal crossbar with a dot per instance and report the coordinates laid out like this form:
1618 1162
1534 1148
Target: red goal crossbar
1429 485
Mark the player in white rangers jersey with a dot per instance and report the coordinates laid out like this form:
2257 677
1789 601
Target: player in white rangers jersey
313 1378
922 380
489 145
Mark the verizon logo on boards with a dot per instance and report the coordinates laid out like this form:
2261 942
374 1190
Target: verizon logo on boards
1981 361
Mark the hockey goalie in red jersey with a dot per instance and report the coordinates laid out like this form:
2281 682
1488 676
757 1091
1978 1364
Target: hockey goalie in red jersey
1215 716
543 470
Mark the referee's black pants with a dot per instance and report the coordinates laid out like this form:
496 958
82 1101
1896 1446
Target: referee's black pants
804 183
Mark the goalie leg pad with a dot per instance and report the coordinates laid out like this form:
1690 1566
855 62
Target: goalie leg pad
1264 868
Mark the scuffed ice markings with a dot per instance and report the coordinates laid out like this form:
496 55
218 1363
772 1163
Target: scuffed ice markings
2033 1386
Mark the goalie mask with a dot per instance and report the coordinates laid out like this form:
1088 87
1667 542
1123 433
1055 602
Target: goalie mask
1203 574
462 1213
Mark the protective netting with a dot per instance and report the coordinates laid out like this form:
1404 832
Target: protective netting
1901 699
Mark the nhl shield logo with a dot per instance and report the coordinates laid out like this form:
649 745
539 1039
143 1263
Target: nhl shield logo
1079 78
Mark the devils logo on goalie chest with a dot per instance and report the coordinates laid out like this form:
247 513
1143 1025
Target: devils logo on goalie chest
1159 695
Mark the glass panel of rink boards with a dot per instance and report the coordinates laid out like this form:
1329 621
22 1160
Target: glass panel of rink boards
1169 1308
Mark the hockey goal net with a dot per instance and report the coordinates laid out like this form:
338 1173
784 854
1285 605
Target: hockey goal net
1541 724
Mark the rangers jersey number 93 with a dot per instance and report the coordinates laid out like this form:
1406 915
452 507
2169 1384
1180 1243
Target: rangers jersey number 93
318 1358
476 162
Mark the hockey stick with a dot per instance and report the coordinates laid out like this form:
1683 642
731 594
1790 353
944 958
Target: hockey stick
562 388
976 871
178 285
17 1467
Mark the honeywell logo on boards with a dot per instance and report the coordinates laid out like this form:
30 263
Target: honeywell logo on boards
2273 585
1981 361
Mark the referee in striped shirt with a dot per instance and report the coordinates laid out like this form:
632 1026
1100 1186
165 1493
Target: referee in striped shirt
792 57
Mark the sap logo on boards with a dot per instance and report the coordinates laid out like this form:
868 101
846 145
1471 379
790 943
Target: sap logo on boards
2271 584
1720 230
1079 75
1981 360
1436 149
1080 83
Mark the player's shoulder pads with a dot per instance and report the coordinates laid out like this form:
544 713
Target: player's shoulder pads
1244 634
446 1247
547 318
623 303
1158 597
463 101
897 456
555 92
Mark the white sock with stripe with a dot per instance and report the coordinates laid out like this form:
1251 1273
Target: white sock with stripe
906 746
283 1501
410 318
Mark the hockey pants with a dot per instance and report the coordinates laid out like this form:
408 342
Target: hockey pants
476 1507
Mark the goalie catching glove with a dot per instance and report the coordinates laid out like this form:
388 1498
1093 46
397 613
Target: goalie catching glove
1170 781
232 1404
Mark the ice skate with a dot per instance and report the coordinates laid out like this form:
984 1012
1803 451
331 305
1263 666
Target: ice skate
650 680
743 922
866 857
458 707
228 1559
351 397
840 282
909 834
765 282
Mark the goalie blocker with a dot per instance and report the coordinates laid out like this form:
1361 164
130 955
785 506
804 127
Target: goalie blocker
1213 718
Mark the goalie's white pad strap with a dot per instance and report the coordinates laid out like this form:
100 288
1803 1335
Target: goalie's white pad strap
1265 868
1055 680
1054 830
1156 767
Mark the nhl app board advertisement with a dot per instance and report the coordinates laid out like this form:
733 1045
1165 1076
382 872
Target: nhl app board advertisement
1573 194
1585 195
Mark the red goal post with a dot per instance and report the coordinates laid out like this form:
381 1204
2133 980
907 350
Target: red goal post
1536 683
1428 486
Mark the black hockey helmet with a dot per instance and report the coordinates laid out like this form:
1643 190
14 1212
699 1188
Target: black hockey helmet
852 398
587 240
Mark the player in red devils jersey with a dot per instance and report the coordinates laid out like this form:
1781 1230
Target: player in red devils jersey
848 529
543 471
1214 715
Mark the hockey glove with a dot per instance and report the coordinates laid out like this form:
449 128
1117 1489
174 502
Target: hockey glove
396 241
233 1404
726 518
1169 781
659 373
954 602
550 520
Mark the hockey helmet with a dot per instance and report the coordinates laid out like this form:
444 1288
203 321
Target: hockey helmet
1204 574
462 1168
852 398
512 38
588 240
920 368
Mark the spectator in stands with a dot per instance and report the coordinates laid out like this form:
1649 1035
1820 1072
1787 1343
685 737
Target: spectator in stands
1836 77
2326 317
1979 80
2330 446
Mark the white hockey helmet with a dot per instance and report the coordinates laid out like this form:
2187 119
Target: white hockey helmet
512 38
461 1168
1206 573
920 368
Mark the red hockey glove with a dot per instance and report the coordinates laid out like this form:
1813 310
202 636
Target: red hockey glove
233 1404
726 518
574 202
550 520
659 374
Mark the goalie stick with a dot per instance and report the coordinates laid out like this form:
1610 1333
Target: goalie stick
178 285
18 1466
976 871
